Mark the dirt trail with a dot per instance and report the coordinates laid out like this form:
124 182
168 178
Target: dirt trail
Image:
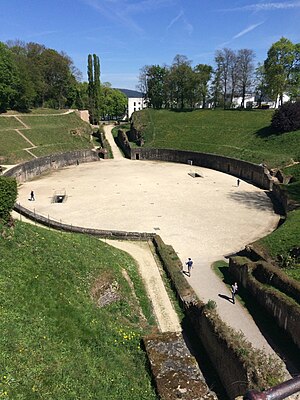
166 316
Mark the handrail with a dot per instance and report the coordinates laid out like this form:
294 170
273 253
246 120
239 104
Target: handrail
278 392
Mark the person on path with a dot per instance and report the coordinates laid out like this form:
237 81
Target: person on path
234 289
32 196
238 183
189 264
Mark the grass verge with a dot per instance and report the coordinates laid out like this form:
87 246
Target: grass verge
55 341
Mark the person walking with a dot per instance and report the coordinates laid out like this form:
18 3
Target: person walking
189 264
234 289
238 183
32 196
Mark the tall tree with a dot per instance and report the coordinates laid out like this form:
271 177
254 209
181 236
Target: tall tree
156 86
9 78
260 84
225 61
203 74
94 88
181 80
279 67
245 68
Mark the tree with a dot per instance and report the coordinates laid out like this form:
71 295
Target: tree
279 68
226 61
58 80
155 84
287 117
203 73
245 67
8 196
24 85
260 84
181 81
8 78
94 87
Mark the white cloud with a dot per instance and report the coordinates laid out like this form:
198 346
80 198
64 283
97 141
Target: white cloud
246 30
174 20
186 25
122 11
240 34
267 6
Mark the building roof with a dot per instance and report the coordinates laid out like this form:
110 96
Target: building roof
132 93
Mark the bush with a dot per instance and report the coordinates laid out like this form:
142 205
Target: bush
287 118
8 196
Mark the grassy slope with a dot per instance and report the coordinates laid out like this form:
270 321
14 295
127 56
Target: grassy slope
243 135
51 134
55 342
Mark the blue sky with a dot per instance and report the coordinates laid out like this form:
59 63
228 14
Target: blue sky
128 34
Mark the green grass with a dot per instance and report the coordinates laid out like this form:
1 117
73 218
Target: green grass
286 237
55 342
34 111
51 134
12 145
9 123
240 134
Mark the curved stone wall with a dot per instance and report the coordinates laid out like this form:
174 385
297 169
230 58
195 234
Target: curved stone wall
31 169
38 166
256 174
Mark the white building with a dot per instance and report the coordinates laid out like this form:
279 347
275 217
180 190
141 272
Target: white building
136 101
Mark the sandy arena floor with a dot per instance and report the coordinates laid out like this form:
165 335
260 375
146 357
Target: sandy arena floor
206 217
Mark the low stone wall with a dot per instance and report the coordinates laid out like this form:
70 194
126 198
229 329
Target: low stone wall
175 371
242 169
111 234
123 142
31 169
283 305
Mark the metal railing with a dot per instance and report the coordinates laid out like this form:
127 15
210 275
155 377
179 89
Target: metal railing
278 392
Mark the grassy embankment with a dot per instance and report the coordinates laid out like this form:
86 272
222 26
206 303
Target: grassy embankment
55 341
49 134
245 135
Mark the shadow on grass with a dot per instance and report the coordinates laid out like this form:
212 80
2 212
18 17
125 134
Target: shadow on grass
274 335
266 132
180 110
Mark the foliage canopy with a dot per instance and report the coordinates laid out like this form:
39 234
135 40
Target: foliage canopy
287 117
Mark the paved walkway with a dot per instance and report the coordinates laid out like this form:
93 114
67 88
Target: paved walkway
203 218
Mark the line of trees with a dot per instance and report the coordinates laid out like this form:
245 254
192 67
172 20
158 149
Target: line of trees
234 76
32 76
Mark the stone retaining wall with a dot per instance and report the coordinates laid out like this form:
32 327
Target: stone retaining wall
282 305
111 234
31 169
